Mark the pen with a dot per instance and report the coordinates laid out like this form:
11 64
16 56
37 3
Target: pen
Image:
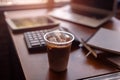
89 48
85 45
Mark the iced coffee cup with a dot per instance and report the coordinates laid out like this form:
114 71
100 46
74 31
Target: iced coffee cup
58 49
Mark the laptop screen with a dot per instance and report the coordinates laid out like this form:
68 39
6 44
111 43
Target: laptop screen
102 4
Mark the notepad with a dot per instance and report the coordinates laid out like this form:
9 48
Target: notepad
106 40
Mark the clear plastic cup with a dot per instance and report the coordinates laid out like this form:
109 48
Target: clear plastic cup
58 48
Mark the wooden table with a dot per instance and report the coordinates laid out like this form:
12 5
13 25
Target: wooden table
35 66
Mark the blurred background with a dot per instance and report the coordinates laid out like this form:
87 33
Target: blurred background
22 2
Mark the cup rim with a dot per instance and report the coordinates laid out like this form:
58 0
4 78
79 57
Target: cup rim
59 42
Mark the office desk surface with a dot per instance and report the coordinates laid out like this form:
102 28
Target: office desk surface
35 66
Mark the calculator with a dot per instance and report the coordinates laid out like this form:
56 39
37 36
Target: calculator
35 41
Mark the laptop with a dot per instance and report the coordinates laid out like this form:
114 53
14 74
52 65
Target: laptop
92 13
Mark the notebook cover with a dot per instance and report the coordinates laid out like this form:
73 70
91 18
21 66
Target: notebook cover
106 40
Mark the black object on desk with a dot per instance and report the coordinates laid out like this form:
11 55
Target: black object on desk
36 43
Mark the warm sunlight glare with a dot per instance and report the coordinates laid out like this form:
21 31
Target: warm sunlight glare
62 0
29 1
20 2
10 2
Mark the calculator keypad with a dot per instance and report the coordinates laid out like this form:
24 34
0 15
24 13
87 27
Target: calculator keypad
35 41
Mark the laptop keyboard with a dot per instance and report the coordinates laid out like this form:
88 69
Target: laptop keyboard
85 18
75 18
